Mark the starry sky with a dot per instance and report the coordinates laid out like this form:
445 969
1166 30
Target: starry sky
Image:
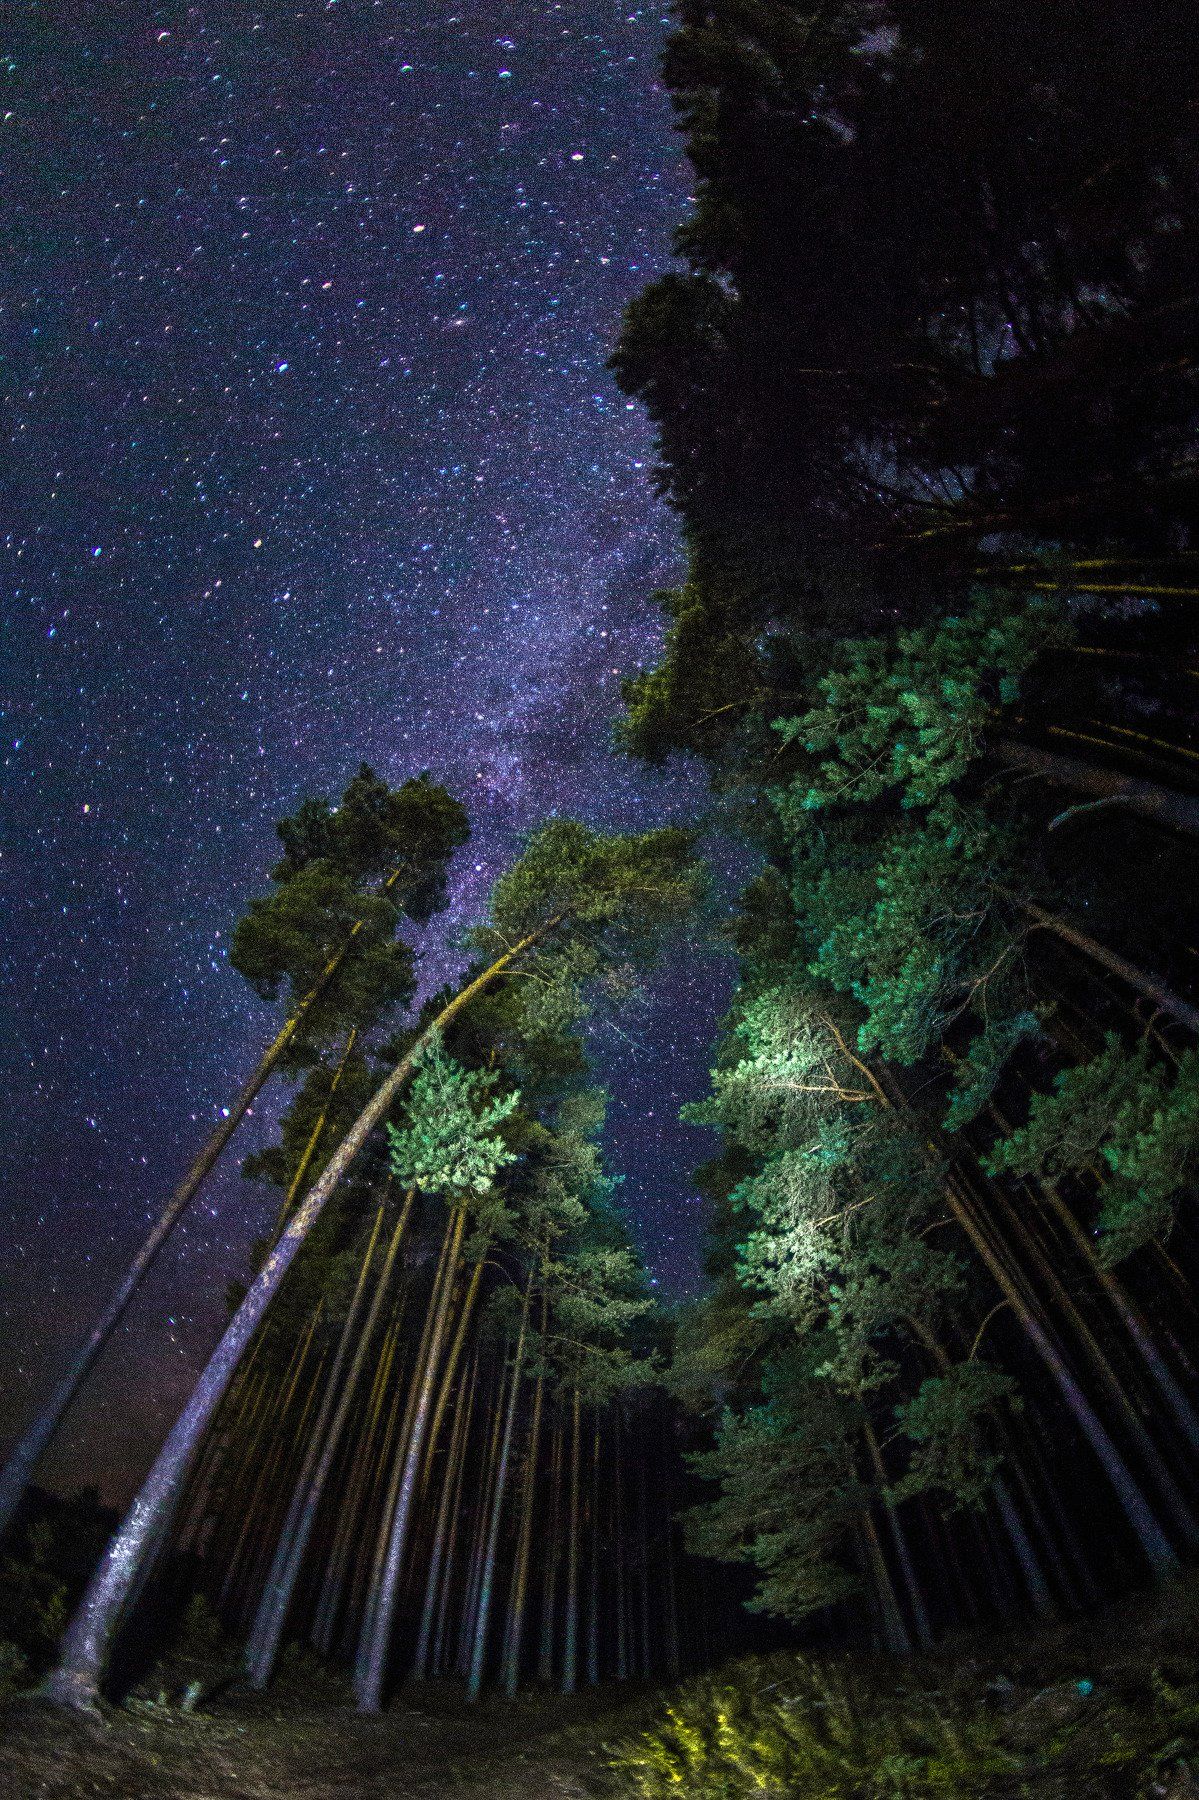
312 456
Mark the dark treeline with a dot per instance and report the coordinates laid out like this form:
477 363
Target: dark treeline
926 400
431 1439
445 1454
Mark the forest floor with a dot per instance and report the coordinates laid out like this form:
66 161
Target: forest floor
1104 1707
299 1745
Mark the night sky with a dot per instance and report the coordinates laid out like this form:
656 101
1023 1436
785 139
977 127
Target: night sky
312 457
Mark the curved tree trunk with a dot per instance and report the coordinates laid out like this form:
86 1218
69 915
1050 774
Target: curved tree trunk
76 1679
18 1470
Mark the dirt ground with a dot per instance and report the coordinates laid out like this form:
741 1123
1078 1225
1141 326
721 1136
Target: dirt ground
307 1747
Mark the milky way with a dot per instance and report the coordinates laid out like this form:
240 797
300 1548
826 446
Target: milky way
313 457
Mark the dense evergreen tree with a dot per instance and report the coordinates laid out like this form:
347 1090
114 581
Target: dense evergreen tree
926 404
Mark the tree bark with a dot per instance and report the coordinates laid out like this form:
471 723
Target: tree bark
293 1540
451 1482
514 1634
18 1470
1163 805
370 1673
570 1651
1137 978
487 1581
76 1679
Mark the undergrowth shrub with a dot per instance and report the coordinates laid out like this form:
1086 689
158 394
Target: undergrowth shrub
786 1725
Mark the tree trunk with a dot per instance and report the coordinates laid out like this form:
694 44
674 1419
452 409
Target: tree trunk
570 1652
899 1542
593 1607
1156 1546
269 1431
1152 1458
1153 1541
293 1541
18 1470
1163 805
514 1633
456 1509
314 1138
892 1630
1141 980
76 1679
358 1491
371 1669
487 1581
549 1593
618 1550
23 1459
450 1486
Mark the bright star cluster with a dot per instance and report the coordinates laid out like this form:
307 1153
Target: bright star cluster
312 457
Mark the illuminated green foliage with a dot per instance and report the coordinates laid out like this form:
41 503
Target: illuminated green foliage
1132 1113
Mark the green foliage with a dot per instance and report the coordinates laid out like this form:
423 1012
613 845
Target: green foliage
944 1421
376 831
927 241
450 1142
288 938
793 1725
986 1058
349 874
701 694
786 1725
930 935
906 714
43 1568
788 1489
836 1274
1134 1114
598 1293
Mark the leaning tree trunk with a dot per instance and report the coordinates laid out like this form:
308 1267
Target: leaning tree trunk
371 1669
1156 1546
76 1679
18 1470
514 1634
487 1581
279 1586
1107 787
